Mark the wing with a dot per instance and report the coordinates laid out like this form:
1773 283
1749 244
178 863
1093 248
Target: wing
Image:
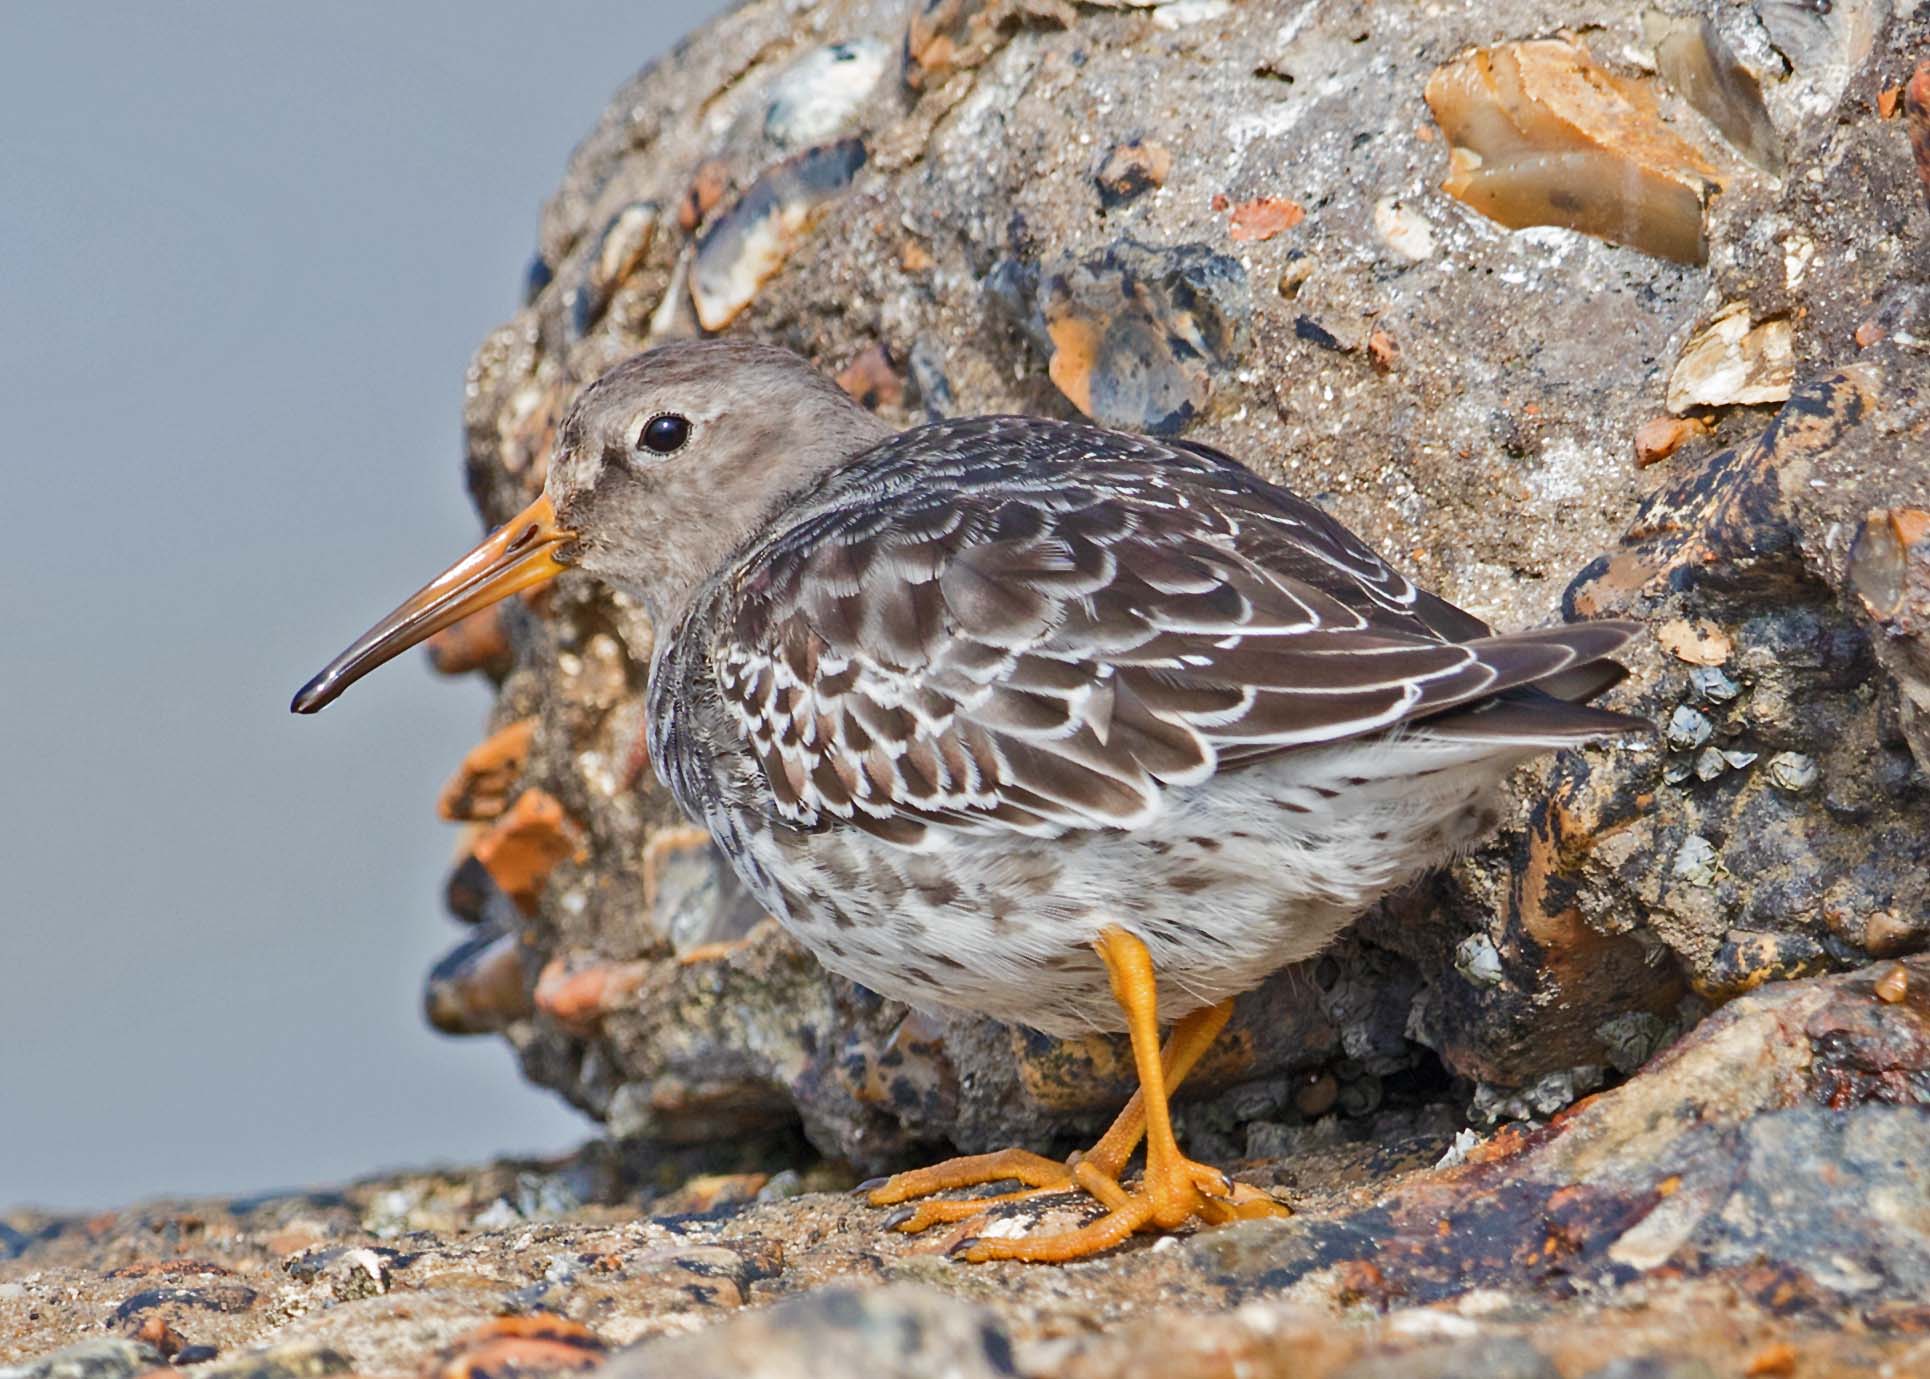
1013 624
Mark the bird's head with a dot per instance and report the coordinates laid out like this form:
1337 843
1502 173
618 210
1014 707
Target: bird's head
664 466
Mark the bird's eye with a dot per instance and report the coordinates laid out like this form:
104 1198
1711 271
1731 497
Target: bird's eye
664 433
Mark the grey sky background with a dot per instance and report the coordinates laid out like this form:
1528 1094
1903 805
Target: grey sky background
245 252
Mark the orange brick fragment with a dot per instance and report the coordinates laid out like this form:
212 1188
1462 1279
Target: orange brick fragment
1777 1359
521 1346
1660 437
1916 114
479 791
1382 352
577 999
523 847
479 642
1264 217
871 380
1893 985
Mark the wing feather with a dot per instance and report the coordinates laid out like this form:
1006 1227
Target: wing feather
1013 624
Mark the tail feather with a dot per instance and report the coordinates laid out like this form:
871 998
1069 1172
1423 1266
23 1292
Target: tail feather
1550 710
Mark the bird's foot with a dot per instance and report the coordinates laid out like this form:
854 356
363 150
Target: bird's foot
1185 1190
1035 1171
1178 1191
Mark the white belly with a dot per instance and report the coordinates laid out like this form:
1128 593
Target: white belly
1234 879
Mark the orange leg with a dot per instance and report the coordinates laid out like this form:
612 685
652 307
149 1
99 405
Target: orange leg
1174 1190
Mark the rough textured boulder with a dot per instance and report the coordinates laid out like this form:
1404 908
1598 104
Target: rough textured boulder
1284 230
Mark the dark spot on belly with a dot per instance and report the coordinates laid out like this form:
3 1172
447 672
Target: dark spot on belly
839 917
1191 882
1205 844
1380 835
918 976
1356 780
1158 847
946 960
1288 806
1325 793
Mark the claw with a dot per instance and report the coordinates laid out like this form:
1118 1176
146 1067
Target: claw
871 1185
899 1217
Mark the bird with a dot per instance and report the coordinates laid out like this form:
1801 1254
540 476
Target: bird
1077 728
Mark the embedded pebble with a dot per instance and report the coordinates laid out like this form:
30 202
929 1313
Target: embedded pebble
480 789
1691 56
872 379
1130 170
1382 351
749 243
479 986
520 849
1264 217
814 98
1733 361
1541 134
1893 985
1136 335
1699 642
1177 14
1660 437
622 245
1403 230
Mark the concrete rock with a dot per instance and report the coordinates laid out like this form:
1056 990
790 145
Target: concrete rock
958 214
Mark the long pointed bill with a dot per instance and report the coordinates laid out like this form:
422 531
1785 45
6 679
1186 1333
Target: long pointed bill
519 555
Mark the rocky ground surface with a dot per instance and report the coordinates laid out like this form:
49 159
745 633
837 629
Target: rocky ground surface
1573 313
1756 1201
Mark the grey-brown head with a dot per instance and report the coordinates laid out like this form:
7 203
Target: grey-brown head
664 466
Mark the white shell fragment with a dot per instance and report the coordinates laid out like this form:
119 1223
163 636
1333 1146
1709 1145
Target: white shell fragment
1732 362
1404 231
